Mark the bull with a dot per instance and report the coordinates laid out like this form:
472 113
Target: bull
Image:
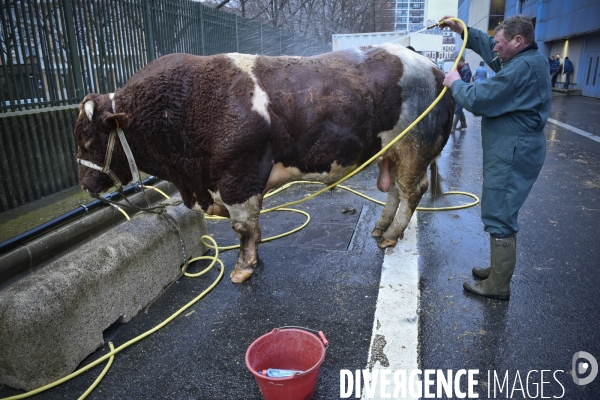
225 129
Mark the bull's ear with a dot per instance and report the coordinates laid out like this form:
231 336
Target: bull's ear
116 120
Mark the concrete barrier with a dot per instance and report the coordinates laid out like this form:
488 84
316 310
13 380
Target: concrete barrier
54 318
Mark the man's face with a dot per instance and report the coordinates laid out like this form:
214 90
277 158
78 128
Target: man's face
507 49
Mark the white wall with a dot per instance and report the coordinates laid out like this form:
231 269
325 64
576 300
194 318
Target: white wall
424 42
436 9
346 41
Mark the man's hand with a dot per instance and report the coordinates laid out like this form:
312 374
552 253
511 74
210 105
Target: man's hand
451 76
453 25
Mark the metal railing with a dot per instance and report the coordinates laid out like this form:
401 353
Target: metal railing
53 52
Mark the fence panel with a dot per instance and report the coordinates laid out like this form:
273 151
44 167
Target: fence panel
37 155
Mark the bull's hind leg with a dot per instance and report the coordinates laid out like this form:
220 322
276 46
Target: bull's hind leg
244 221
411 183
392 202
385 183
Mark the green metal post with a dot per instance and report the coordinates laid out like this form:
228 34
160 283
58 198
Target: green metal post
149 31
74 56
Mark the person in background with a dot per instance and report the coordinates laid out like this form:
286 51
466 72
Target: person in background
480 73
514 105
567 70
459 115
554 69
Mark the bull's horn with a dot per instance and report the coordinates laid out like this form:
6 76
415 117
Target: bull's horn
89 109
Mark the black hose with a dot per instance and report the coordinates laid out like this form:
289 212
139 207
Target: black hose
70 216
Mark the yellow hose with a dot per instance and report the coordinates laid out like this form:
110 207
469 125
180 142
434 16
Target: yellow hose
158 190
283 207
101 376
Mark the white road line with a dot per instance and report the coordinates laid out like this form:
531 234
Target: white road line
394 341
576 130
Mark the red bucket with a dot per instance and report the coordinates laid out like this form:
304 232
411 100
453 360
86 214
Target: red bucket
288 348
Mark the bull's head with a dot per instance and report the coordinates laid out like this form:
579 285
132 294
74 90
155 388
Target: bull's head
93 127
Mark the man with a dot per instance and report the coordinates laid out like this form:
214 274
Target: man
567 70
554 69
459 115
480 73
515 105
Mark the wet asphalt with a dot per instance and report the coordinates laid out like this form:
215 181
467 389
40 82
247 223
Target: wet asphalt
327 277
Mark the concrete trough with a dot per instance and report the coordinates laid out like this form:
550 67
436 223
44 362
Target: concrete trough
54 318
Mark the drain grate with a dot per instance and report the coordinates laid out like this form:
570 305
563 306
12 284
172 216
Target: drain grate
331 227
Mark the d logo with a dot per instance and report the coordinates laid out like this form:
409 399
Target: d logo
582 368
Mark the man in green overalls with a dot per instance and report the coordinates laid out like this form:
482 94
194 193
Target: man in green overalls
514 105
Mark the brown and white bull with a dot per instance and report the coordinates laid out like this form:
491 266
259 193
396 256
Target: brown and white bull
225 129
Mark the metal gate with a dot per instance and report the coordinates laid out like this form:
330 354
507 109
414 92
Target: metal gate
591 79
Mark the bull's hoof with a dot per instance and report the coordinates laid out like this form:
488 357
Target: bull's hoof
385 243
240 275
377 233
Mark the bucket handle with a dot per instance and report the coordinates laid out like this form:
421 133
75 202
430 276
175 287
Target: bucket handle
320 333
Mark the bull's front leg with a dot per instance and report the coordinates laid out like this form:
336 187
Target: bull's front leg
244 221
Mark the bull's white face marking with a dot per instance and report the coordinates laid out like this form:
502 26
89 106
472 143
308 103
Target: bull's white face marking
260 99
111 96
89 109
197 207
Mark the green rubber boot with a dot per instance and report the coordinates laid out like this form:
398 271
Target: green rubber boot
454 123
504 258
484 273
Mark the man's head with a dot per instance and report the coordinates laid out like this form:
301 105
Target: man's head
558 56
552 58
513 35
481 63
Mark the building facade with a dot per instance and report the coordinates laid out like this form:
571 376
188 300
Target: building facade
570 28
415 15
410 15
